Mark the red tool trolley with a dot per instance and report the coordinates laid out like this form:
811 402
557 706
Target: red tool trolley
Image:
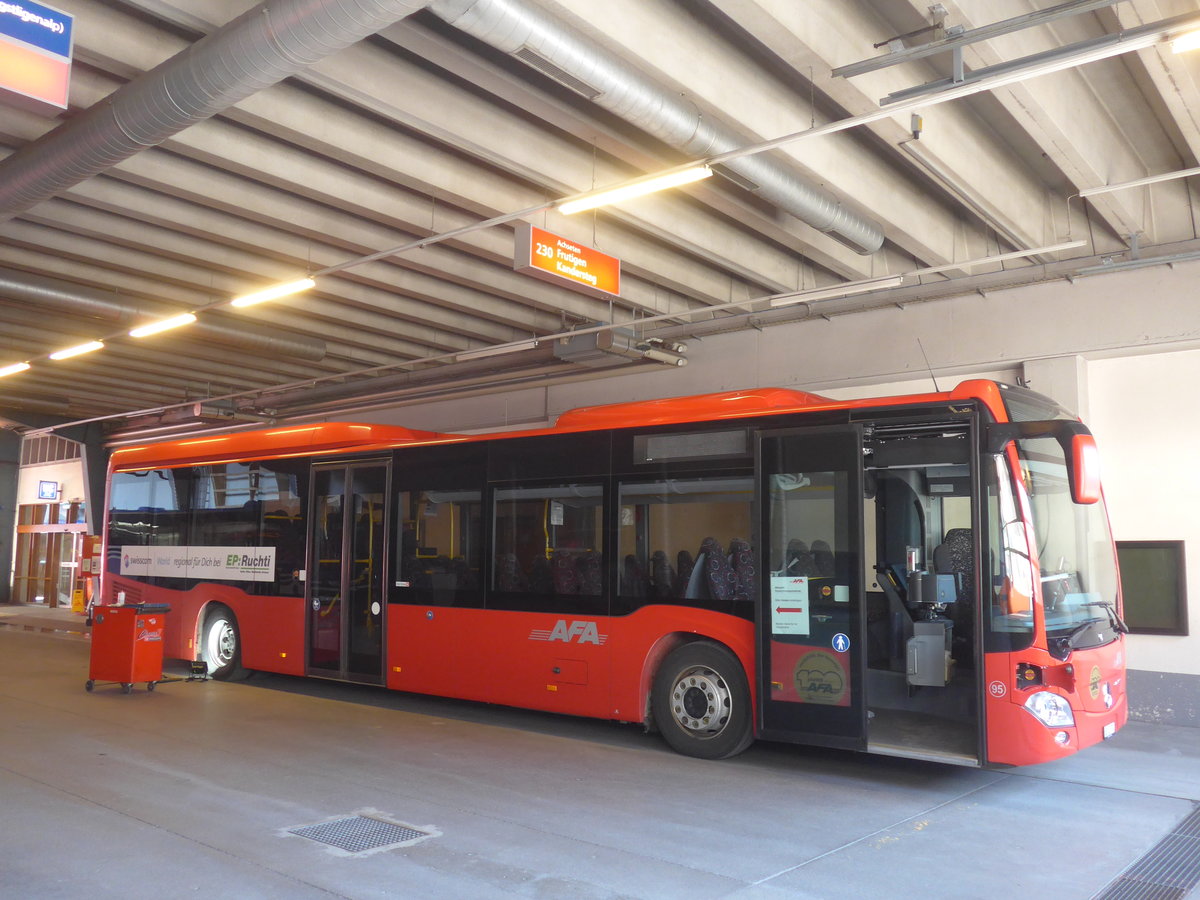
127 645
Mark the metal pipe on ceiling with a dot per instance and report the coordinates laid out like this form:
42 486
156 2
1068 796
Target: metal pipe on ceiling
62 296
254 51
531 35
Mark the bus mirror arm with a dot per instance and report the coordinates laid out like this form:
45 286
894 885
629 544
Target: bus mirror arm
1078 445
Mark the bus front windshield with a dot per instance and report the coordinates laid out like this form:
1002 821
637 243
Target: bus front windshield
1074 551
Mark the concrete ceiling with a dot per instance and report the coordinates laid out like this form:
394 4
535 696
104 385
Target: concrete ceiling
423 128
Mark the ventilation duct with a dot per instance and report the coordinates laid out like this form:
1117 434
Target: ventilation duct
48 294
579 63
254 51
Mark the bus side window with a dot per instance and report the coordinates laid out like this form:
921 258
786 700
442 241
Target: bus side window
549 540
438 541
687 539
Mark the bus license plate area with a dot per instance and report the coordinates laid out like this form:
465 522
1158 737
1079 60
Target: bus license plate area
1109 730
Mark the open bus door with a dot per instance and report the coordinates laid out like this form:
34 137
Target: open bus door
346 597
811 623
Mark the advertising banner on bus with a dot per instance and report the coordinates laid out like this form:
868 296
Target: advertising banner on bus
207 563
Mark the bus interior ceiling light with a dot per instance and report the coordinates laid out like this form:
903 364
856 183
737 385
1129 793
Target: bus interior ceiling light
163 325
635 189
78 350
839 290
14 369
274 293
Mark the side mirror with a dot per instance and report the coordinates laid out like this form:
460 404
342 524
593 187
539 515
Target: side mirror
1078 445
1084 472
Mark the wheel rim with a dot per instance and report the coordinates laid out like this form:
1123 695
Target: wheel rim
701 702
222 643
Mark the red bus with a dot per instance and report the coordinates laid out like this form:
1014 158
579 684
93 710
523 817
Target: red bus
928 576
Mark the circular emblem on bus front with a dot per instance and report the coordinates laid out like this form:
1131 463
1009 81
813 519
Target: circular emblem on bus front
819 678
997 689
1094 683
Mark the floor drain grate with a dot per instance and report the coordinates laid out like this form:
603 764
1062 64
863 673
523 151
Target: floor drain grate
362 834
1168 871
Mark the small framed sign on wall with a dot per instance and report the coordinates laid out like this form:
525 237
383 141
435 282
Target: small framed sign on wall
47 490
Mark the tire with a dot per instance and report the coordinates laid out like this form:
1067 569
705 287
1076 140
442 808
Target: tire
701 702
150 685
126 687
88 685
220 646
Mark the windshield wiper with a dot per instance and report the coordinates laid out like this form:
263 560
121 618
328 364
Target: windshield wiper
1080 629
1117 622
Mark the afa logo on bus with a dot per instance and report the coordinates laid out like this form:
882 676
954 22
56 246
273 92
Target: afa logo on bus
584 632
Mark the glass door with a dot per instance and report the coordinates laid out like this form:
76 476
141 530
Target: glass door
346 593
810 615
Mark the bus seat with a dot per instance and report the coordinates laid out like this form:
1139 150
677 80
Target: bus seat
799 561
741 558
509 576
722 581
633 578
823 564
590 581
955 556
564 572
684 565
541 581
662 576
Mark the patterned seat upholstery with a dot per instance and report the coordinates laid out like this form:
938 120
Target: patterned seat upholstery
590 581
509 576
565 573
741 558
722 582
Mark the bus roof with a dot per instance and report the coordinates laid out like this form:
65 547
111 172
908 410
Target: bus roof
342 437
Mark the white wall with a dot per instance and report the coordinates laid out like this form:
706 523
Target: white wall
1144 417
69 476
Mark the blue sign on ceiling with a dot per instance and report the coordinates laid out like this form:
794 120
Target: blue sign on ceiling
37 25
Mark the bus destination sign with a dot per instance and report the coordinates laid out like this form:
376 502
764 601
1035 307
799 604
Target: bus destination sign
35 56
564 262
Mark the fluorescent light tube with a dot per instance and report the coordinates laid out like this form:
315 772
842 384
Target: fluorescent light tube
498 350
1186 42
163 325
1000 257
78 351
274 293
14 369
1138 182
841 290
634 189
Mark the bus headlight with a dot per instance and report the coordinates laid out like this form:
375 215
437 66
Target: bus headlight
1050 709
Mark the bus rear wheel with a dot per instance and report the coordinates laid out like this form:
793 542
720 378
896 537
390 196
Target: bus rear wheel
701 702
221 646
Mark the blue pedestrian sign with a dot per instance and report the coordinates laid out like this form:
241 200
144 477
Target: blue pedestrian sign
841 643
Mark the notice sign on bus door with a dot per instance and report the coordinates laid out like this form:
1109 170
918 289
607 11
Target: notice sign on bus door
554 258
789 605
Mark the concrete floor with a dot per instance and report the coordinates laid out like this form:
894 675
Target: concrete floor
191 789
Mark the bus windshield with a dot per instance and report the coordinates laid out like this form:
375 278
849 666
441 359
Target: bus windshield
1074 550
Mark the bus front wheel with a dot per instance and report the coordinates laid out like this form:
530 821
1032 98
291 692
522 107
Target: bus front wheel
221 646
701 702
